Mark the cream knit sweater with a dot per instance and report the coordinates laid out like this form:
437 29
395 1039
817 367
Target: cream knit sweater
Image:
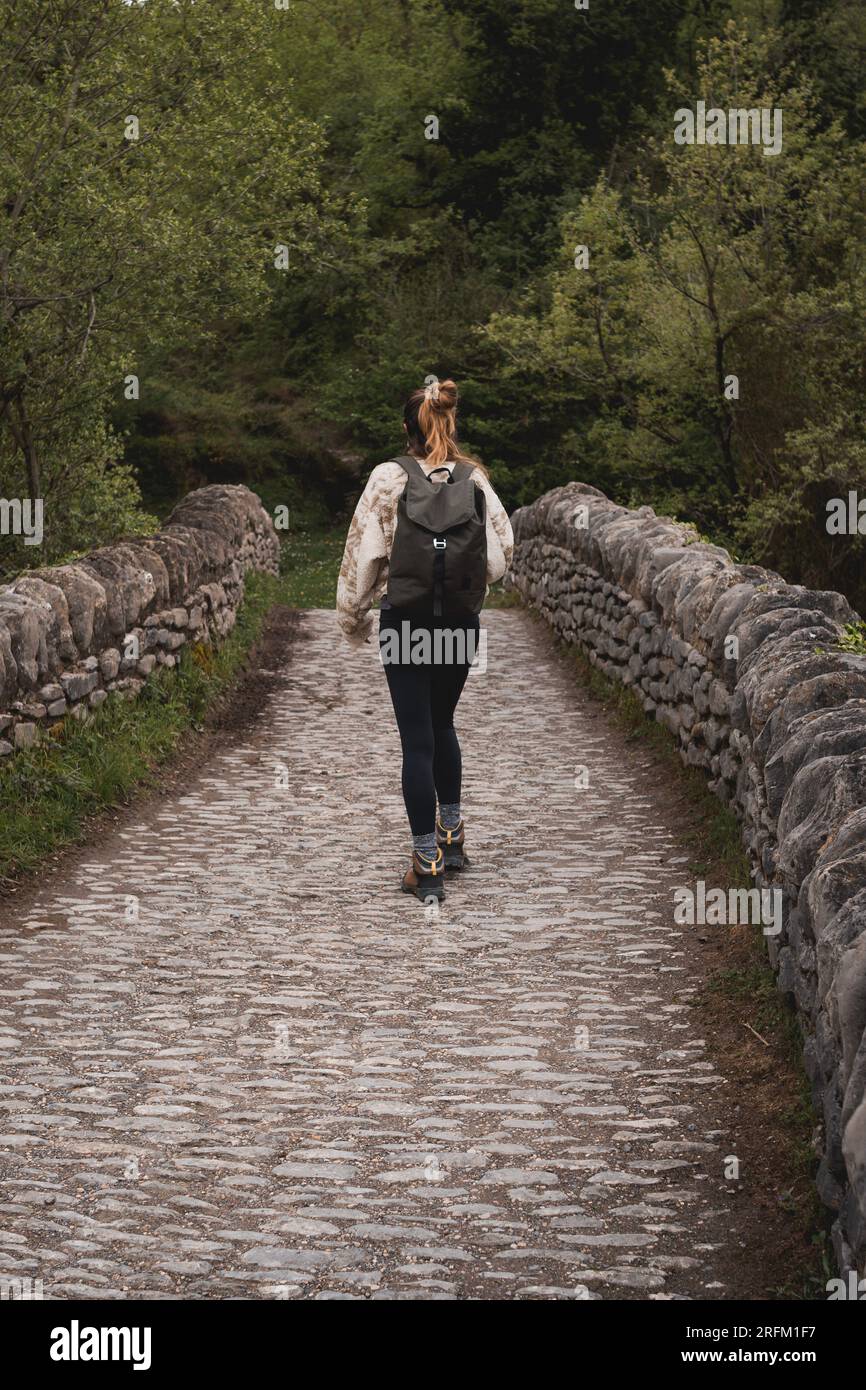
364 571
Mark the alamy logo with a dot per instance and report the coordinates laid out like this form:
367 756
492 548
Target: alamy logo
21 516
77 1343
740 126
444 646
846 516
21 1288
854 1291
713 907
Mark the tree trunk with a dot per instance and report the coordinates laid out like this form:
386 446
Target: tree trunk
27 444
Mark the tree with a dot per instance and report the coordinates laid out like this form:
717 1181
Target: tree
713 350
150 160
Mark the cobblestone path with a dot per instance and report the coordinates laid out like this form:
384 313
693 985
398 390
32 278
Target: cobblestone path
237 1063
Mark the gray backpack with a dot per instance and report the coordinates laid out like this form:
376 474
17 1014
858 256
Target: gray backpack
439 554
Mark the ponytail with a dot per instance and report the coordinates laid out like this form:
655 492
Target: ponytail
430 416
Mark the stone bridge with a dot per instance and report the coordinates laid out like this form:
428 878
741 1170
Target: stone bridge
238 1063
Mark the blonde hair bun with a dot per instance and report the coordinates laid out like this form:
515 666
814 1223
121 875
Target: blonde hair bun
430 417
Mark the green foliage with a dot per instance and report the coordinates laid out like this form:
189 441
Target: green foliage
309 566
455 255
136 208
49 792
854 638
451 227
544 106
716 262
828 37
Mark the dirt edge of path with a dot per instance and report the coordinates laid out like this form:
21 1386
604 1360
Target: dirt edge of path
752 1035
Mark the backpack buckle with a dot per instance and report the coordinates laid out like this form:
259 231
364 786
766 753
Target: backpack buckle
438 544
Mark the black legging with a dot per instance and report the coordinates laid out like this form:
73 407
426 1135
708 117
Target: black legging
425 698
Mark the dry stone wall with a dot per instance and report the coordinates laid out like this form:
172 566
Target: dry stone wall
72 634
747 674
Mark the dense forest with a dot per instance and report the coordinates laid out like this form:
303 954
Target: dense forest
236 234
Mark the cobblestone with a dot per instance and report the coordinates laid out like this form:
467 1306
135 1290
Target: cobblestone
237 1062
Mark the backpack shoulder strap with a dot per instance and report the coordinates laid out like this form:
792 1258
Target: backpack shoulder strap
411 466
461 471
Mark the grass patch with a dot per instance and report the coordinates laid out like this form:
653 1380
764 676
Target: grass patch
853 639
49 792
500 597
309 567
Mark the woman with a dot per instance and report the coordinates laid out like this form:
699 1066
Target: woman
449 546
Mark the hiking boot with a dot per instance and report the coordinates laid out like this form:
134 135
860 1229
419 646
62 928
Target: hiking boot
425 877
452 844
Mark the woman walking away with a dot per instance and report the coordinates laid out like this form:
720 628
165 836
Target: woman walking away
428 535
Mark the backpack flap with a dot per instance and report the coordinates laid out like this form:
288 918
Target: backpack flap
442 505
